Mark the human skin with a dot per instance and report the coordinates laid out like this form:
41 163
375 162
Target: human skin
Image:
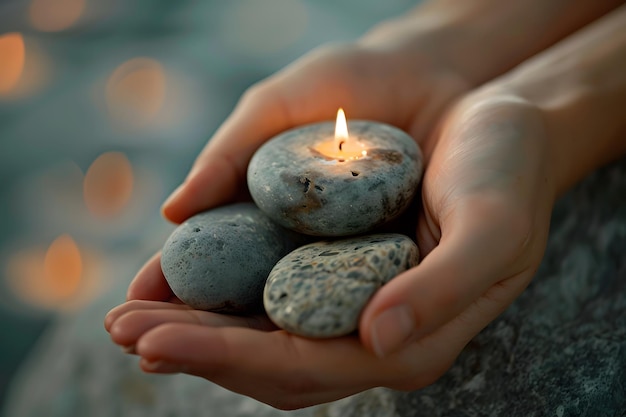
414 66
496 161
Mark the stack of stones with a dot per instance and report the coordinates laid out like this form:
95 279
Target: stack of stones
285 252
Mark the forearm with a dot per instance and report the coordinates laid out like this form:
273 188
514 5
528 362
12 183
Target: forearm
580 85
482 39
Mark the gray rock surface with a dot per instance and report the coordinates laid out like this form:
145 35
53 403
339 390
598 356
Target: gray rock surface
304 190
219 260
320 289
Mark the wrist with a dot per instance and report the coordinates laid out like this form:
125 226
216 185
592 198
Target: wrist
579 87
433 35
482 39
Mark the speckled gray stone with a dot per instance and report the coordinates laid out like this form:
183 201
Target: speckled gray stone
308 192
219 260
319 289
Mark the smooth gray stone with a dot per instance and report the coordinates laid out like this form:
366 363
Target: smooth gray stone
219 260
320 289
303 190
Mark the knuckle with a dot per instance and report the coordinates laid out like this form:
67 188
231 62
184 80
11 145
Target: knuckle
331 51
268 95
256 92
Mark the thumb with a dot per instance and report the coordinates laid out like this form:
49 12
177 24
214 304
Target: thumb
307 91
475 252
219 172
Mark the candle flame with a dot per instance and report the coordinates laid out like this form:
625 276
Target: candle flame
343 148
341 128
349 148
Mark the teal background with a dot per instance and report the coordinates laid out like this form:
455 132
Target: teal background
213 50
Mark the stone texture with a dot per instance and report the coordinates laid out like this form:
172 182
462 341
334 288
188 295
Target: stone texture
219 260
319 289
303 190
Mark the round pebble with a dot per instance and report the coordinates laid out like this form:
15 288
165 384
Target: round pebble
304 190
219 260
320 289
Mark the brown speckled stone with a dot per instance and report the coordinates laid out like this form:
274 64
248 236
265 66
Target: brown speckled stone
319 289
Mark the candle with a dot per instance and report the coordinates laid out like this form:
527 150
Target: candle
319 183
342 147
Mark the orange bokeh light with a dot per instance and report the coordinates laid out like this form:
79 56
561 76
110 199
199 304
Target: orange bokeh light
51 278
62 267
108 184
55 15
135 92
12 56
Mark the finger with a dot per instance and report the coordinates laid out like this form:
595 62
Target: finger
478 248
135 305
450 339
274 367
131 325
220 169
265 110
243 383
150 283
310 90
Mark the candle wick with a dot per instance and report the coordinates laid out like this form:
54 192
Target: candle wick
341 145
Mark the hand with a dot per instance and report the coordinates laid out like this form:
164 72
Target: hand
487 198
493 169
407 88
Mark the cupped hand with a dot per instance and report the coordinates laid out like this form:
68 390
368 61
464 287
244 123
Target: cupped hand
487 197
408 89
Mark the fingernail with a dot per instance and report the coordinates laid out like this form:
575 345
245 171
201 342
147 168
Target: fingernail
108 321
391 329
129 349
173 197
161 367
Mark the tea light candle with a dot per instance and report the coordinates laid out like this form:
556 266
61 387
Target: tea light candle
323 184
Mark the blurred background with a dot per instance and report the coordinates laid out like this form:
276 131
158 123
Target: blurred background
103 106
